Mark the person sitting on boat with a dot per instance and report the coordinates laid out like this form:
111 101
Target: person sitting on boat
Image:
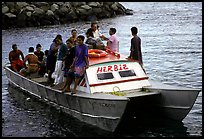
135 49
40 55
52 56
58 73
68 62
112 41
96 33
32 66
14 58
80 62
74 36
93 43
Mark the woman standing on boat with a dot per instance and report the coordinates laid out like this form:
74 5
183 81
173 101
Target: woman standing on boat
52 56
68 62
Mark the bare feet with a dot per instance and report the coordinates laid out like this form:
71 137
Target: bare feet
66 90
61 88
73 92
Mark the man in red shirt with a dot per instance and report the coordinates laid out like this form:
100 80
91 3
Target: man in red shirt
14 58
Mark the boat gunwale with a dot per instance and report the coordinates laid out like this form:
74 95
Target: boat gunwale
87 95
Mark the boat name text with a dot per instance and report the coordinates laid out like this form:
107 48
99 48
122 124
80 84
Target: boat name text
111 68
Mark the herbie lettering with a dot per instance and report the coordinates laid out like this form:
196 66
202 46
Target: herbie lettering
111 68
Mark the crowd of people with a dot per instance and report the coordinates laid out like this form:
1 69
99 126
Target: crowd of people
65 63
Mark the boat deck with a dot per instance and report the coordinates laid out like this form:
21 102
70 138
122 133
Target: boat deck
111 56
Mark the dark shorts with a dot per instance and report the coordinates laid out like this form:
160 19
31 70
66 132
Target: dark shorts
68 73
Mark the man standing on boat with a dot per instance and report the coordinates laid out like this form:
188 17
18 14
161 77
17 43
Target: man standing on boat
135 49
112 42
80 63
14 58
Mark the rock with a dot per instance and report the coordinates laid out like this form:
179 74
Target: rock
5 9
129 12
49 13
114 6
22 14
21 4
93 4
10 15
29 8
81 11
86 7
54 7
38 11
11 5
28 14
96 10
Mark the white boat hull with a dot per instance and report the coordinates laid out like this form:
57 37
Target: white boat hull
105 110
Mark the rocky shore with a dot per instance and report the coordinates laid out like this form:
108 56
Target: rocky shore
33 14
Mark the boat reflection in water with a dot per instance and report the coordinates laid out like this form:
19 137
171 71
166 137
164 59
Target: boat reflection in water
58 123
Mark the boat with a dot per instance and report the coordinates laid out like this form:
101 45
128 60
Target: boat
113 89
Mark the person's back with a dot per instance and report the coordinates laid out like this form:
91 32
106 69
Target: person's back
32 61
32 66
114 43
62 52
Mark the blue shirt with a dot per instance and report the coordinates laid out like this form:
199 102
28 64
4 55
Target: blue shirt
80 52
62 51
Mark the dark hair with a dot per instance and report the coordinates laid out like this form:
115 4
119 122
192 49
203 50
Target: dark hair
89 32
38 45
113 30
73 30
14 45
31 49
93 23
46 52
134 30
70 40
81 37
58 37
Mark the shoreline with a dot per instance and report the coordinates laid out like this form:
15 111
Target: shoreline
36 14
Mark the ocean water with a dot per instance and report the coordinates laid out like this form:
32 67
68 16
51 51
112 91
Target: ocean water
171 34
